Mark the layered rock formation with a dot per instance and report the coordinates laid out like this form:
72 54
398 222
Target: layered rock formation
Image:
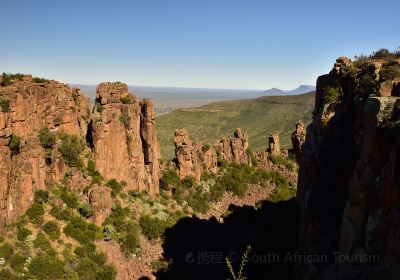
234 149
192 158
123 138
298 137
349 186
121 132
187 156
33 106
274 147
100 199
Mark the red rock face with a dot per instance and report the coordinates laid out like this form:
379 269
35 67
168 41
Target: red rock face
32 107
192 159
298 137
187 156
121 132
234 149
124 140
274 147
348 186
101 201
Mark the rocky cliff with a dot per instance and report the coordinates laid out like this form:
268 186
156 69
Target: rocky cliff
123 138
27 107
348 185
121 133
192 159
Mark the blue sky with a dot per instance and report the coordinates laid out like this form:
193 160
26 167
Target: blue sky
193 43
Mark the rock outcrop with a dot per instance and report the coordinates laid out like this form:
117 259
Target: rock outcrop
31 107
298 137
100 199
187 156
123 138
234 149
192 159
274 147
349 184
121 132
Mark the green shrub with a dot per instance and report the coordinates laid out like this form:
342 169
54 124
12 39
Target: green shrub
6 251
35 212
6 274
216 192
188 182
46 267
290 164
5 105
23 233
159 265
8 79
80 230
126 99
41 242
69 198
152 227
52 229
41 196
17 262
47 138
86 210
169 179
330 95
125 119
108 273
389 72
282 193
115 187
86 269
198 200
15 144
92 171
40 80
71 149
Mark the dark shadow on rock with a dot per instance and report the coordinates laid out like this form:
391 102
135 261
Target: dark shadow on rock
197 248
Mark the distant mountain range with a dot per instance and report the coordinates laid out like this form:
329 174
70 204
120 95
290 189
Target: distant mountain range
167 99
279 92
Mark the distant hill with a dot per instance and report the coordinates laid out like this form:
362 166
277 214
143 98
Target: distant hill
279 92
257 117
167 99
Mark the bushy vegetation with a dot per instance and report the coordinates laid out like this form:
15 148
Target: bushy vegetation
23 233
47 138
40 80
93 172
5 105
8 79
52 229
125 119
69 198
127 99
169 179
126 229
331 95
86 210
46 266
289 163
35 212
71 149
15 144
115 186
389 71
81 230
153 227
41 196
